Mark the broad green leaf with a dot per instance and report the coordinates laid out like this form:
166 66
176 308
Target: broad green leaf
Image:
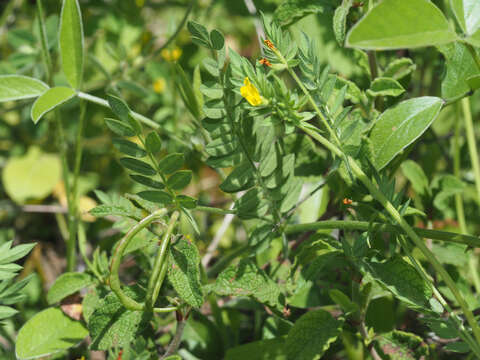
246 279
71 42
48 332
17 87
184 272
138 166
269 349
6 312
343 300
50 100
158 197
385 87
403 280
399 126
400 345
199 33
147 181
129 148
179 180
171 163
467 13
32 176
417 177
459 67
187 201
112 325
290 11
398 24
340 20
68 284
217 40
119 127
241 178
153 144
312 335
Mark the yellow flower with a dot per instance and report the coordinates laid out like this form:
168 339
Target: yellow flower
171 55
159 85
250 92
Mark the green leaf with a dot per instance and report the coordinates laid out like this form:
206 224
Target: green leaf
340 20
399 68
460 66
474 82
32 176
184 272
187 201
290 11
71 42
344 301
68 284
251 204
48 332
270 349
199 33
179 180
147 181
111 325
50 100
119 127
217 40
159 197
467 13
401 125
171 163
398 24
241 178
121 109
138 166
400 345
9 254
129 148
17 87
417 177
403 280
6 312
246 279
385 87
153 144
312 335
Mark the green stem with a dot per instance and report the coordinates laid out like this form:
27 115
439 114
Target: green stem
159 262
114 279
472 146
456 173
464 239
214 210
62 144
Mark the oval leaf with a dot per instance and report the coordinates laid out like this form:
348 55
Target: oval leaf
160 197
48 332
129 148
147 181
138 166
385 87
17 87
153 143
50 100
398 24
398 127
171 163
180 179
312 335
119 127
67 284
71 42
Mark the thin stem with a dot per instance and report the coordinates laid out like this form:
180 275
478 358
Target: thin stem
44 41
472 146
172 348
456 173
469 240
115 285
214 210
159 261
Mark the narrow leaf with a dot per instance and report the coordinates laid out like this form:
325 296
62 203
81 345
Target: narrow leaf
17 87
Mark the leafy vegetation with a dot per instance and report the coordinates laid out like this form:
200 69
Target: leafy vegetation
271 179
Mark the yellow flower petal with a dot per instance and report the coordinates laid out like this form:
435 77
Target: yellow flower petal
250 93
